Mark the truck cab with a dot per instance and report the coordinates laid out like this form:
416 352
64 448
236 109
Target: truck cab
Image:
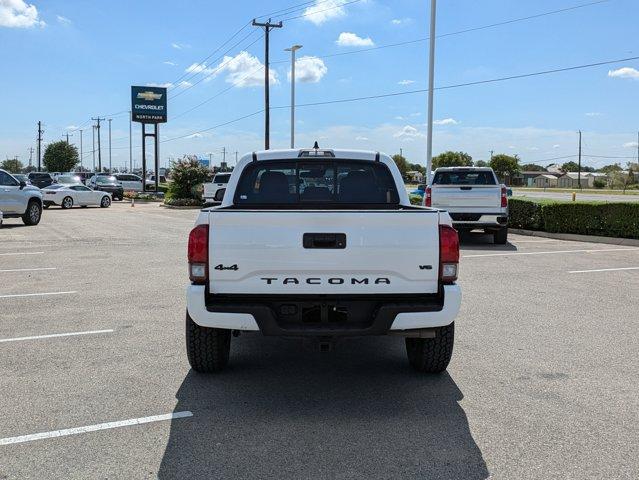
320 243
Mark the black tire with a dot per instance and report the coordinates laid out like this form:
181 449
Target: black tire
432 355
105 202
33 213
207 348
500 237
67 202
83 206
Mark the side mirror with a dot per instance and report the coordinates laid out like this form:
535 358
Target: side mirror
22 184
219 195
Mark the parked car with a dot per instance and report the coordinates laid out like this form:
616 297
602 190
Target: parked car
473 197
110 184
346 255
150 181
40 179
93 178
129 181
66 196
211 188
19 200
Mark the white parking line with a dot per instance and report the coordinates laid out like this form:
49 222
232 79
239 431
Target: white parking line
94 428
54 335
27 269
21 253
36 294
605 270
549 253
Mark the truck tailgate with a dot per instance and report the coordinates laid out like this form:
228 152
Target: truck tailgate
264 252
482 196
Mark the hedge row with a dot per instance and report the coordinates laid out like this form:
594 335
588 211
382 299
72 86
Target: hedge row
582 218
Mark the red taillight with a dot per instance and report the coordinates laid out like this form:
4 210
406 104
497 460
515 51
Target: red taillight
448 254
428 197
198 254
504 197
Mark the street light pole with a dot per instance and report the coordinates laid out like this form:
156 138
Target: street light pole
431 78
110 166
293 49
81 167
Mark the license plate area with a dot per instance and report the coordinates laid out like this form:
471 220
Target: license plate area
327 314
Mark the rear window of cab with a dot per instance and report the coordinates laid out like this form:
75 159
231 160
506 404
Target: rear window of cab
313 182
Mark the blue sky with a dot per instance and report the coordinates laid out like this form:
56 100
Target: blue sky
66 61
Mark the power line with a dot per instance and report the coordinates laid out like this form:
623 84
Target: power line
458 32
341 5
395 94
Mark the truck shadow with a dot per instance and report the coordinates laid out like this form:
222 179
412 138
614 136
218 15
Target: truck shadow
483 241
284 410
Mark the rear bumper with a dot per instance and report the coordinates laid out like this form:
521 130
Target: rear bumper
479 220
290 316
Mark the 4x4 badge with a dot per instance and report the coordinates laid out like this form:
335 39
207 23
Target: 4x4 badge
222 267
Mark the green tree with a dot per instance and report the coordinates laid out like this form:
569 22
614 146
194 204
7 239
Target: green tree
12 165
188 176
608 169
452 159
574 167
417 167
505 165
532 167
60 157
631 174
402 164
481 163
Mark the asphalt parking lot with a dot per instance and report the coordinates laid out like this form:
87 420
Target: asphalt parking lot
544 381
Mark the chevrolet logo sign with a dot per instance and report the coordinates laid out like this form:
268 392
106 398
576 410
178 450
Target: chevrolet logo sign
149 96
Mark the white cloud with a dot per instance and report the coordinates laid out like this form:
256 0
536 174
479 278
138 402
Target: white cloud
180 46
359 138
415 114
349 39
624 72
19 14
168 62
63 20
195 135
408 132
400 21
445 121
593 114
71 127
325 10
630 145
185 84
163 85
556 146
243 70
405 82
399 117
308 70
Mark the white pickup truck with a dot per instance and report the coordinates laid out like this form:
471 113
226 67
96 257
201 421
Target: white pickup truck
321 243
473 197
211 189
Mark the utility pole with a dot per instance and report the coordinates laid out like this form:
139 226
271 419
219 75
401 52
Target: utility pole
431 80
97 127
81 155
30 156
40 132
401 152
67 135
110 166
293 49
579 171
130 142
211 161
223 154
236 152
268 26
93 151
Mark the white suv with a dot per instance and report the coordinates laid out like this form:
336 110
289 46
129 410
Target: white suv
19 200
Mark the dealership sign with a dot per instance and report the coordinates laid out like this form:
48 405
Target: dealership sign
148 104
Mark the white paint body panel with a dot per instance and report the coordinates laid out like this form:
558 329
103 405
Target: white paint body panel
387 245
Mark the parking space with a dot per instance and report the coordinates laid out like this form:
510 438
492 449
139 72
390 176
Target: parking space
95 382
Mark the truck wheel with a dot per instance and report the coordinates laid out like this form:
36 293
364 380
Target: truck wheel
33 213
500 237
207 348
432 355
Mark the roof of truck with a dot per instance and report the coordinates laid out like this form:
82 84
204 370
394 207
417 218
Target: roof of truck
310 153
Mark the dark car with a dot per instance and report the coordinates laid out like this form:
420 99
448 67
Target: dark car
109 184
40 179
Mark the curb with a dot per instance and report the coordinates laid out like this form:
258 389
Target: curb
176 207
629 242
